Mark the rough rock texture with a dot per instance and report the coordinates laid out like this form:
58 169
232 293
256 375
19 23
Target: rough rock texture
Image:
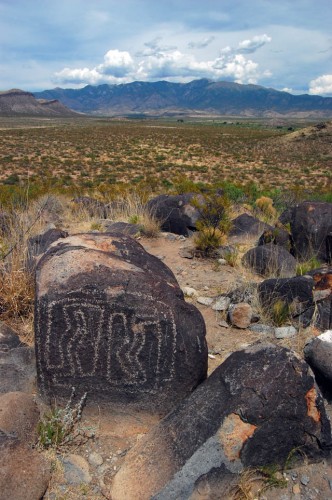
318 353
309 297
246 225
176 213
19 415
111 320
270 259
8 338
17 364
24 473
311 229
40 243
124 227
240 315
257 407
278 236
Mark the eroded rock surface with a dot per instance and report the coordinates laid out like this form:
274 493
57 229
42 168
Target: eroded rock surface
257 407
111 320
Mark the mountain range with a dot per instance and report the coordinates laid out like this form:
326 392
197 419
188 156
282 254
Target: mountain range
200 97
17 102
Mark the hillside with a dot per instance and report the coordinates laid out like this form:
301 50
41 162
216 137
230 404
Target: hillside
17 102
197 97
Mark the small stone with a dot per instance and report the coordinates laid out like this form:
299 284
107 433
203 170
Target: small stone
222 262
206 288
161 257
76 470
186 254
240 315
294 476
221 304
296 489
189 291
95 459
205 301
304 480
170 237
260 328
285 332
211 356
223 324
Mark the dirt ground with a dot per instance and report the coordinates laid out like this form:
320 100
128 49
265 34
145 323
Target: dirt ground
112 434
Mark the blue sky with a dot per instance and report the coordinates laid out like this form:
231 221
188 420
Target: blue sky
284 44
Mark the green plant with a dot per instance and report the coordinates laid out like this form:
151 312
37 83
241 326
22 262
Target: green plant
280 312
303 268
57 427
272 476
214 221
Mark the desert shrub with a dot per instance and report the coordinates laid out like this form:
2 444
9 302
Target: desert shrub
303 268
214 221
265 205
58 426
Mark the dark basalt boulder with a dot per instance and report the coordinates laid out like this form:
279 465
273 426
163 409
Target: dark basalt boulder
111 320
17 363
311 230
255 409
247 226
175 213
318 354
40 243
94 208
277 236
270 259
124 227
309 298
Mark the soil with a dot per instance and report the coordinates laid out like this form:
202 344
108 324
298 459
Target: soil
111 433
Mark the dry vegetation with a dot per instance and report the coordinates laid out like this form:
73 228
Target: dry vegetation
103 153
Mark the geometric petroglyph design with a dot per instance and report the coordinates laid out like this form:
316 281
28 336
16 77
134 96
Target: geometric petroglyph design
128 342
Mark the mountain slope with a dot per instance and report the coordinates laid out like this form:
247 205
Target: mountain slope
17 102
205 96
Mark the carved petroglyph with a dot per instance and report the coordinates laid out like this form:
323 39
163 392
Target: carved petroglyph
130 341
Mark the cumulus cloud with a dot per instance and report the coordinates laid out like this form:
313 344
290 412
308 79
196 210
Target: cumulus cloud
321 85
158 61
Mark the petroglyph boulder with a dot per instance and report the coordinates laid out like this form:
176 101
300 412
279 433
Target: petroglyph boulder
255 409
111 320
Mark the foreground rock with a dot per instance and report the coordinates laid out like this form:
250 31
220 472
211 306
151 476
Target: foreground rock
111 320
270 259
308 298
24 473
175 213
19 416
311 229
17 362
245 414
318 353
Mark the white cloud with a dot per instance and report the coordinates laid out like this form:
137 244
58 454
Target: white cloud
250 46
201 44
158 62
321 85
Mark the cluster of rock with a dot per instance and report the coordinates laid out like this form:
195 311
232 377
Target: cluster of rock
111 321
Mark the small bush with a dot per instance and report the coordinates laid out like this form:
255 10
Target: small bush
265 205
303 268
214 222
57 427
280 312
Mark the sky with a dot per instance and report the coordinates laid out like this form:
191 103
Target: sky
283 44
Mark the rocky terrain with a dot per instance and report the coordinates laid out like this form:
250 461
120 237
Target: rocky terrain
266 381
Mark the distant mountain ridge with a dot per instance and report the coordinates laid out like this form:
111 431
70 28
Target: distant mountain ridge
197 97
17 102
